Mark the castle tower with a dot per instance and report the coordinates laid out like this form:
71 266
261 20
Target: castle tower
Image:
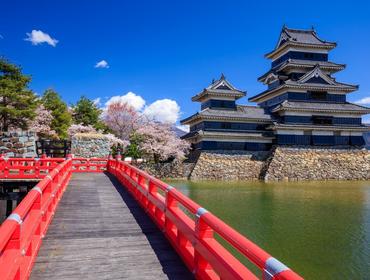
307 105
223 125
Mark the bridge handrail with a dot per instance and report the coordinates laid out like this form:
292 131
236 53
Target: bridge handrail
191 230
27 168
22 232
95 164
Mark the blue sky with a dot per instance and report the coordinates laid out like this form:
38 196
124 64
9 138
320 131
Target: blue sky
172 49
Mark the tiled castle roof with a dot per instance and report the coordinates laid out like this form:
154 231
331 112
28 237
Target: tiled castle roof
321 106
242 112
219 88
300 63
299 38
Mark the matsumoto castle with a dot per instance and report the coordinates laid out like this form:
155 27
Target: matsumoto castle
302 105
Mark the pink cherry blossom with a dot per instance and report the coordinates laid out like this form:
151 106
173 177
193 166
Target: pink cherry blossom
160 142
42 122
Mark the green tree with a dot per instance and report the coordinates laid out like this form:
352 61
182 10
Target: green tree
86 112
62 118
133 149
17 102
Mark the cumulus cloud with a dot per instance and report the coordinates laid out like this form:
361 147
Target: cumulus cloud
364 101
136 101
102 64
37 37
164 110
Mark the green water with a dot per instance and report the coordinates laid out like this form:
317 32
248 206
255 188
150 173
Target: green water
319 229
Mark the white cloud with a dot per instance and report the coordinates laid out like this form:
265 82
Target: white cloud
184 127
130 98
364 101
37 37
164 110
1 36
102 64
97 101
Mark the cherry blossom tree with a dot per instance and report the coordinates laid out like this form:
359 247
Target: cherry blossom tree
115 141
42 122
122 119
79 128
160 142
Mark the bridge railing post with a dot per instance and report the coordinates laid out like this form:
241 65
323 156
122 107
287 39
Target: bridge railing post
202 231
152 193
171 204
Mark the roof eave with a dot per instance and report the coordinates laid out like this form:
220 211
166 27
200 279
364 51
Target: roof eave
327 46
361 128
357 112
202 95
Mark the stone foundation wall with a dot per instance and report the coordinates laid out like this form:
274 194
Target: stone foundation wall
18 144
228 165
317 164
173 170
90 145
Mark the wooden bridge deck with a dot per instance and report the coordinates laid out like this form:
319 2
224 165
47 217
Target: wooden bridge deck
100 232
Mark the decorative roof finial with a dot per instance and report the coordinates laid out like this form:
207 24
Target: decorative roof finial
313 28
222 76
213 81
284 26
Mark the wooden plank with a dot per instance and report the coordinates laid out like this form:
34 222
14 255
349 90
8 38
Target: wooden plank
100 232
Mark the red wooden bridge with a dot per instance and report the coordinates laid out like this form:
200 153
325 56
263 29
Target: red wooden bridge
106 219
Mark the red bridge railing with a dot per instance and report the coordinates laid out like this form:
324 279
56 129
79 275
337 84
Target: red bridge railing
21 233
191 230
27 168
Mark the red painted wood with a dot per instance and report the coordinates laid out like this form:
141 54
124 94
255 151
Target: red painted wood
21 240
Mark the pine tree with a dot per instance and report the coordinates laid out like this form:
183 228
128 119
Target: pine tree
86 112
61 116
17 101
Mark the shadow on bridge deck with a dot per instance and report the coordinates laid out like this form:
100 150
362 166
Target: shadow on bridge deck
100 232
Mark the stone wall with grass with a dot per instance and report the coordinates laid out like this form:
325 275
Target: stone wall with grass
18 144
90 145
229 165
302 163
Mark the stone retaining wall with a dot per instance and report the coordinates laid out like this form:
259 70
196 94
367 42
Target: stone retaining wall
317 164
18 144
229 165
173 170
90 145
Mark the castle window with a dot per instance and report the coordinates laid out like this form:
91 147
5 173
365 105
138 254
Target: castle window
322 120
226 125
318 95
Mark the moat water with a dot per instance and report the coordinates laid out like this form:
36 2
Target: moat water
319 229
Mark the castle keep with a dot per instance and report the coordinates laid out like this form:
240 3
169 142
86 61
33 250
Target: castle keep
302 105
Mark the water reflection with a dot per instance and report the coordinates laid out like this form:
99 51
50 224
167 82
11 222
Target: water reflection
321 229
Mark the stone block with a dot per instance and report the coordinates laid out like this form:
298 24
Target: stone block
29 143
14 139
18 145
